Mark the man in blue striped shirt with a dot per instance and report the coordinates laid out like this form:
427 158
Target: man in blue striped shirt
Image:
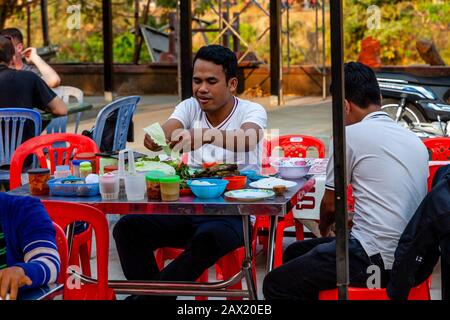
28 253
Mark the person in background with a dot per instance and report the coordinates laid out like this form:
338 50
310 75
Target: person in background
28 253
387 166
34 62
24 89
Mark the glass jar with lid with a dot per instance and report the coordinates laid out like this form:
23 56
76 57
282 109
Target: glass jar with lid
170 188
153 186
38 179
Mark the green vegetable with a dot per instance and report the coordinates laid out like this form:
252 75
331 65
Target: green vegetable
156 132
144 166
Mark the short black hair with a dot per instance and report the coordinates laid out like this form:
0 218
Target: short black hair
6 49
219 55
15 33
361 85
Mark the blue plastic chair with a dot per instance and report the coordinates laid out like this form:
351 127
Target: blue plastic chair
12 124
126 107
57 125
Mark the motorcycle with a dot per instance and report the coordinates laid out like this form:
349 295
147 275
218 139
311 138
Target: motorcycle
421 104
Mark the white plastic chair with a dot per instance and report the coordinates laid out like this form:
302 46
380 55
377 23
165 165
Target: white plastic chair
65 92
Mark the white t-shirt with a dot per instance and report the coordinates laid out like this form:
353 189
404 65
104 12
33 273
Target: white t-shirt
189 113
387 167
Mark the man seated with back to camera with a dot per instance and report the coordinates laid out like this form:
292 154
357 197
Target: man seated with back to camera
24 89
387 166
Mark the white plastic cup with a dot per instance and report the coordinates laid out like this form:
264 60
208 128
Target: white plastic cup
109 186
135 186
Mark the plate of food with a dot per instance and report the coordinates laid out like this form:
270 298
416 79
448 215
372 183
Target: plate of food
269 183
249 195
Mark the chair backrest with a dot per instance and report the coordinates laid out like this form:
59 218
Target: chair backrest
65 92
12 123
63 250
125 109
439 148
296 145
44 149
59 125
65 213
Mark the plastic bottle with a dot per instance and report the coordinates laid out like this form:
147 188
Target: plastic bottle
76 167
85 169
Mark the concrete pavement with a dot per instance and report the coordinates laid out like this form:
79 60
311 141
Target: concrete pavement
303 115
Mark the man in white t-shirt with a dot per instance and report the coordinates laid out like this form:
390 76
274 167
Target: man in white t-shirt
214 126
387 167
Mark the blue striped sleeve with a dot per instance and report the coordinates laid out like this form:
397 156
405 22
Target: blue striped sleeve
41 260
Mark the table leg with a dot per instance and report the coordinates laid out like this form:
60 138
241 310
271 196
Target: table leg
69 234
247 263
271 243
77 122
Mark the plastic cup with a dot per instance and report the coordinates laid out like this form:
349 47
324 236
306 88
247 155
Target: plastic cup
135 186
109 186
170 188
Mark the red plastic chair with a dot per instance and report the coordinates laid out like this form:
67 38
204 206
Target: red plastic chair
439 148
56 155
41 145
293 146
421 292
63 250
65 213
226 267
296 145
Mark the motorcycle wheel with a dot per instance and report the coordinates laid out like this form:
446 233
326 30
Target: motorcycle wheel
411 114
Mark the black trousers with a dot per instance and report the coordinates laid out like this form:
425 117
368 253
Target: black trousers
205 239
310 266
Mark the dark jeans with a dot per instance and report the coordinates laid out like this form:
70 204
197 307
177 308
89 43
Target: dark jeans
310 266
205 239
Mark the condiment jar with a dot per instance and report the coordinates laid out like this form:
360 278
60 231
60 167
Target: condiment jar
170 188
85 169
76 167
109 186
279 190
38 179
153 186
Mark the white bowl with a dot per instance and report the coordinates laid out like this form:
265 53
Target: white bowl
293 172
292 168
